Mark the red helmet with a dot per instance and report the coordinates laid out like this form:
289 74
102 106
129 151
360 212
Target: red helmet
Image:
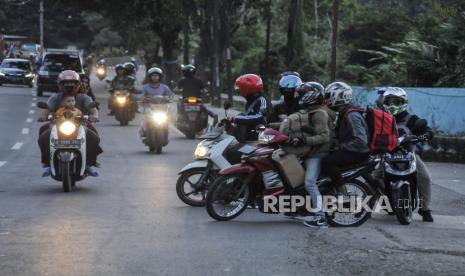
249 84
69 82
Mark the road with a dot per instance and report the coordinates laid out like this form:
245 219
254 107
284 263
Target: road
129 221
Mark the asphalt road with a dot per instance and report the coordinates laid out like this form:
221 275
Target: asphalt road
129 221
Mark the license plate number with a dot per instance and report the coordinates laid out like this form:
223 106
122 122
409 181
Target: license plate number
68 143
190 107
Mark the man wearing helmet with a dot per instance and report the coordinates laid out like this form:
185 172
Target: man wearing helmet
290 103
351 133
121 82
154 85
395 101
258 108
189 85
130 70
311 131
69 84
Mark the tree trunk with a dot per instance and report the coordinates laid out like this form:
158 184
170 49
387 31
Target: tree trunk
267 44
291 24
334 26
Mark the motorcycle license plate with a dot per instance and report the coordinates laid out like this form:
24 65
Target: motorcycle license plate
67 143
191 107
400 158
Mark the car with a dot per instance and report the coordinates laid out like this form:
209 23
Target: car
16 71
29 50
52 63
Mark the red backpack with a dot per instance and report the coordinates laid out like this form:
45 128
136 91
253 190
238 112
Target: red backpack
382 129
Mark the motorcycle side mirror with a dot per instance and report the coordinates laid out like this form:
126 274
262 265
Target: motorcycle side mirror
227 105
42 105
93 105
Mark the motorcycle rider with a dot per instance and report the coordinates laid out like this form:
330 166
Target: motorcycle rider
189 85
290 104
69 84
395 101
257 110
121 82
311 131
130 70
154 85
351 133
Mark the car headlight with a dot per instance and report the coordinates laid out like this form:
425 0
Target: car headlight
29 75
100 71
265 138
201 152
2 74
121 99
67 128
159 117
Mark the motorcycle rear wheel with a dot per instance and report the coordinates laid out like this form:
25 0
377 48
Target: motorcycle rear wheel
353 188
227 192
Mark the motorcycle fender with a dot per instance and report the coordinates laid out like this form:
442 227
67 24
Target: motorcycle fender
66 156
397 185
200 164
239 168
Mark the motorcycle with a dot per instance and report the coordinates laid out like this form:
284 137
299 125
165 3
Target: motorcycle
192 116
68 147
154 132
259 175
123 107
101 71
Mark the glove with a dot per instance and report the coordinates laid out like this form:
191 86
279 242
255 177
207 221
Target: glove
297 142
424 137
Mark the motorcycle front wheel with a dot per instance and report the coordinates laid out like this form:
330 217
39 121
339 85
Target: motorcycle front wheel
403 205
66 177
190 191
227 197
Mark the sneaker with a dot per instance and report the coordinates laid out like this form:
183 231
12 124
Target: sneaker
316 223
91 171
47 172
426 214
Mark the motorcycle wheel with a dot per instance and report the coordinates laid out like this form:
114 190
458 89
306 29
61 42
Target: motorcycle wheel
403 205
66 177
195 196
227 197
353 188
158 150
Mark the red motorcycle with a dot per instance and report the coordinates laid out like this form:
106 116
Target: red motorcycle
259 175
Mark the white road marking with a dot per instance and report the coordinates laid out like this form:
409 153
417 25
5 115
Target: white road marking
17 146
32 111
29 120
34 99
2 163
4 233
25 130
33 104
455 180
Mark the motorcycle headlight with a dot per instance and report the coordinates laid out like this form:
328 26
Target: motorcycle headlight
100 71
67 128
159 117
201 152
121 99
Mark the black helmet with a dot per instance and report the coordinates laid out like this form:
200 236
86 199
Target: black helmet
188 70
310 86
129 68
313 97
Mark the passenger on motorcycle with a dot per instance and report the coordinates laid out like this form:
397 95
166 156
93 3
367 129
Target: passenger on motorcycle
69 84
121 82
311 131
85 86
130 70
395 101
351 133
290 101
257 110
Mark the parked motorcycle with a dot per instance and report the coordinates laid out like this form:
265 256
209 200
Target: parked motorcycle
68 147
123 107
192 116
155 128
259 175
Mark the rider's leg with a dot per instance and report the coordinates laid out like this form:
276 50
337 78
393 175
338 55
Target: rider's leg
313 166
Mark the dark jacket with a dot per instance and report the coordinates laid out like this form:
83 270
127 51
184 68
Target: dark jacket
352 130
405 119
257 111
286 107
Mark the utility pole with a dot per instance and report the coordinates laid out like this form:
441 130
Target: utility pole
41 22
334 39
227 36
267 45
216 73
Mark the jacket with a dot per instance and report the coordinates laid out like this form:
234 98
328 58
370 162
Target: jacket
352 131
317 137
257 111
406 121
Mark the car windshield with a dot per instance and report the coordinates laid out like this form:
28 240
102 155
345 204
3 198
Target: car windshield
62 62
28 47
23 65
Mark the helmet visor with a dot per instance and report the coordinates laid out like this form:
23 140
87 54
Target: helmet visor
394 101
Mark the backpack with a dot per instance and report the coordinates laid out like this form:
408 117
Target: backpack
382 129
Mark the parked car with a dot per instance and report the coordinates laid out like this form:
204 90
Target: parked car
16 71
52 63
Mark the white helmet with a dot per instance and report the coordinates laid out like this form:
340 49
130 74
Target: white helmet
155 70
395 100
339 93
